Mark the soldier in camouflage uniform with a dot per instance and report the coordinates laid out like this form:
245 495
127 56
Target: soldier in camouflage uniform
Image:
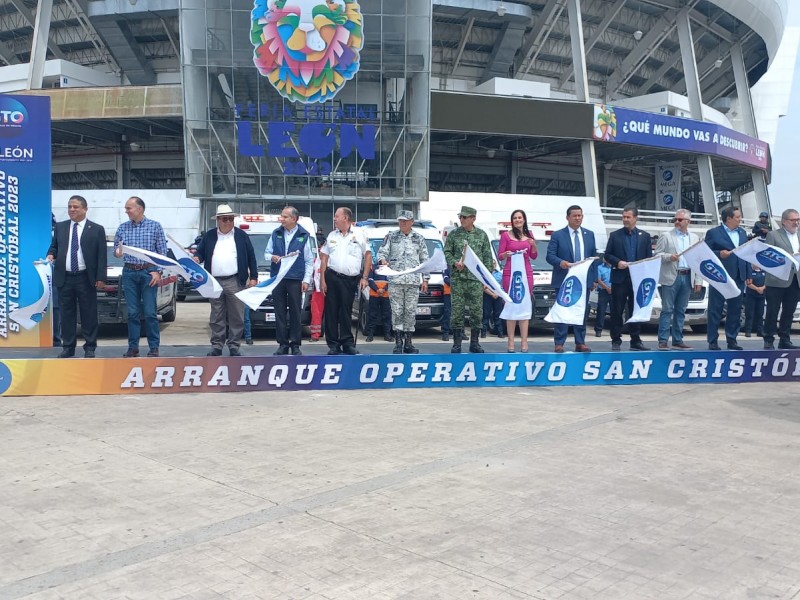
404 249
467 291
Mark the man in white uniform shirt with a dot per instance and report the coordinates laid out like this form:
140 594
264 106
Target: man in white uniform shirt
346 263
228 254
782 296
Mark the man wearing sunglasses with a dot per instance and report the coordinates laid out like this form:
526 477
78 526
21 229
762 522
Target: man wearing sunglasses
675 281
227 253
782 296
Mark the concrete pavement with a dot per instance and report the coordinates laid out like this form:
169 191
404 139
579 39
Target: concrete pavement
638 492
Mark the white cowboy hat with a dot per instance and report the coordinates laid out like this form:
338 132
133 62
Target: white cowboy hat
223 210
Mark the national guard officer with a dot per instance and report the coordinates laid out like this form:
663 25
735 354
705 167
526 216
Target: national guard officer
467 291
404 249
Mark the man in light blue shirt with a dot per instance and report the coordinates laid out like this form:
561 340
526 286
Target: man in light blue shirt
675 281
287 295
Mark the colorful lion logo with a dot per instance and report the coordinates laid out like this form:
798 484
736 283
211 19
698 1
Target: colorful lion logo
308 49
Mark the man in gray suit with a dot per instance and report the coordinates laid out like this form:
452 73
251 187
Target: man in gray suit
675 280
782 296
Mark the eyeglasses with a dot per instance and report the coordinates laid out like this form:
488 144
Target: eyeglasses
226 219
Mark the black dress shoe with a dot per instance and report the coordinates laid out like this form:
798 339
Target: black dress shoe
787 346
67 353
369 338
639 346
334 352
234 352
88 353
769 346
351 350
714 346
281 351
131 353
296 351
734 346
616 346
388 338
215 352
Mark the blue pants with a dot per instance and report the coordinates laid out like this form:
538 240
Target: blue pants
603 302
732 320
674 300
140 299
248 330
492 307
754 312
447 307
380 312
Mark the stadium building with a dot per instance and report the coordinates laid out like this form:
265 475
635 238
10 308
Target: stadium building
375 104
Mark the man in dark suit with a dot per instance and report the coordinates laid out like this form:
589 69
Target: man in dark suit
626 245
79 252
567 247
722 240
782 295
227 253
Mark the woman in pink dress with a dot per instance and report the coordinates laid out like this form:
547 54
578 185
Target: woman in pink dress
519 239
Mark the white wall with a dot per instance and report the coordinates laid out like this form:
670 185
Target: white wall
178 215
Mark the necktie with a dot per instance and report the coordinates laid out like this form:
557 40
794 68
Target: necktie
576 248
73 251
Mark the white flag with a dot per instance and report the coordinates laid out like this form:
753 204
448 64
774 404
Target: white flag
775 261
644 279
520 308
256 295
570 305
435 264
702 260
195 274
29 316
167 264
484 275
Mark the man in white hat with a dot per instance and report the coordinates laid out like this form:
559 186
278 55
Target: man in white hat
227 253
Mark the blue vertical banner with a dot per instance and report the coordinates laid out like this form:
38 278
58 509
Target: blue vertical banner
25 192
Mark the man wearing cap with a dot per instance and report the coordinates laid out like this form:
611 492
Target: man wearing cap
288 294
227 253
467 291
762 227
404 249
140 279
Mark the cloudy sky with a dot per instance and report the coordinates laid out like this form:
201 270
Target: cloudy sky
783 191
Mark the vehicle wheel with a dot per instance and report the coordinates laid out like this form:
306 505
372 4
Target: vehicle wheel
699 328
363 318
170 315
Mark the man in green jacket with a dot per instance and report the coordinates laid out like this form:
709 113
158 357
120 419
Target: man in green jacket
467 291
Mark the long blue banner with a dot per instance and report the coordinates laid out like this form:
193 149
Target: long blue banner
53 377
615 124
25 167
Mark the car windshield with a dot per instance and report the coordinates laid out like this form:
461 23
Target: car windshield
537 264
260 241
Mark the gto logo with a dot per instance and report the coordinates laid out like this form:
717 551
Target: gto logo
197 277
771 258
713 272
646 291
570 292
517 288
13 117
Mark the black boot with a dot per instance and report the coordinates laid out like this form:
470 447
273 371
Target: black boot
398 343
474 346
457 337
408 347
